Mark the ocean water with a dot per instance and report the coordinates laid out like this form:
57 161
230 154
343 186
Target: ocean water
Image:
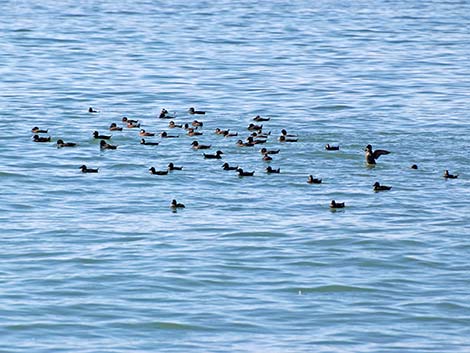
100 263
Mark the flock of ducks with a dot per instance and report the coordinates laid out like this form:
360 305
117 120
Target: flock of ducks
257 137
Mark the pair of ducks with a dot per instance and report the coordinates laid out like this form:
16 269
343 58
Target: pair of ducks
170 168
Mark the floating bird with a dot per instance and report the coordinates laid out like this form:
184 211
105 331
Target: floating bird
157 172
230 134
114 127
267 157
192 132
266 151
284 133
240 143
283 138
198 146
175 205
171 166
164 134
218 131
331 148
129 121
143 142
334 204
270 170
217 155
142 132
378 187
242 173
36 130
97 135
91 110
254 127
193 111
164 114
61 143
258 118
172 125
449 176
371 156
36 138
226 166
88 170
196 123
106 146
312 180
250 139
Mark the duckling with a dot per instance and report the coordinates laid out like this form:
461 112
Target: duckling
175 205
242 173
378 187
266 151
143 142
284 133
61 143
254 127
270 170
217 155
36 130
193 111
331 148
312 180
114 127
106 146
240 143
226 166
171 166
157 172
334 204
36 138
172 125
92 110
414 166
267 158
88 170
282 138
192 132
449 176
164 134
97 135
198 146
196 123
371 156
258 118
142 132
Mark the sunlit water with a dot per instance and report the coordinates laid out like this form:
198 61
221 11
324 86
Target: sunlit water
100 263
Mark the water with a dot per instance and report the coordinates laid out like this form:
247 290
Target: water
99 263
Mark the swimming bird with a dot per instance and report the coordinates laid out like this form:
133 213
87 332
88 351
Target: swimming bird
193 111
171 166
173 125
226 166
143 142
126 120
260 134
312 180
243 173
157 172
198 146
92 110
229 134
196 123
254 127
266 151
61 143
175 205
270 170
250 139
378 187
331 148
97 135
36 138
142 132
267 157
334 204
217 155
106 146
164 114
240 143
36 130
371 156
449 176
192 132
218 131
114 127
164 134
284 133
283 138
88 170
258 118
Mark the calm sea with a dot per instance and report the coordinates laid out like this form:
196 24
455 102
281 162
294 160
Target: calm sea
100 263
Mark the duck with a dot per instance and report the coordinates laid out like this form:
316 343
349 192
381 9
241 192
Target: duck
114 127
371 155
133 125
414 166
106 146
193 111
243 173
164 134
88 170
218 131
164 114
230 134
217 155
312 180
36 138
157 172
250 139
449 176
36 130
328 147
267 157
126 120
258 118
175 205
226 166
171 166
266 151
195 145
97 135
173 125
192 132
378 187
61 143
284 133
283 138
254 127
92 110
196 123
142 132
240 143
143 142
270 170
260 134
334 204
